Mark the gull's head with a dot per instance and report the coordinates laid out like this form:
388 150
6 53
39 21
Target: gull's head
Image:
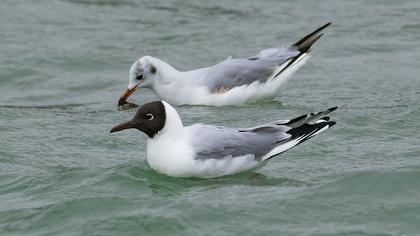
153 118
142 74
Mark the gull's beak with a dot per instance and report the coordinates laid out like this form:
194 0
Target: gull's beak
127 125
127 93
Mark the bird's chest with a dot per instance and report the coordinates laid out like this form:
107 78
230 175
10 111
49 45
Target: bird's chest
169 156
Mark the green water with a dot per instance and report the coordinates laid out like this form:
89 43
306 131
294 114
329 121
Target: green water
64 64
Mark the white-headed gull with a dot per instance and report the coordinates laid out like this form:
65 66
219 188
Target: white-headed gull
207 151
231 82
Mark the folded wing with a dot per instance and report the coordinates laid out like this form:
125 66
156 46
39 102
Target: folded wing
262 142
268 64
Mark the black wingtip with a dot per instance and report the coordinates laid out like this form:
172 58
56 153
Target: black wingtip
331 123
326 25
296 119
316 39
332 109
304 45
322 27
326 118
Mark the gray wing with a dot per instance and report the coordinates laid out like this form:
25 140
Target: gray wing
216 142
240 71
236 72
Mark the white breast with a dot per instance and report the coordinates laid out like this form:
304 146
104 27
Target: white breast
170 156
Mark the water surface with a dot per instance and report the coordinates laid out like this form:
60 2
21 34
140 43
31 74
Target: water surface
65 63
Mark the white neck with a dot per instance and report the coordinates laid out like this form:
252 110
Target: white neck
173 85
164 71
173 127
169 151
169 74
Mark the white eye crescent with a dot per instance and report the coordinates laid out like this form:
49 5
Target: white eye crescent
149 116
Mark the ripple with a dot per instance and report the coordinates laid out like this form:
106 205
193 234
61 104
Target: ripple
48 107
101 2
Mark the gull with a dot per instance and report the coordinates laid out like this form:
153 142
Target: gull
233 81
207 151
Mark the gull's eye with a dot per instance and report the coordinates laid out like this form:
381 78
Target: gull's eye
139 77
149 116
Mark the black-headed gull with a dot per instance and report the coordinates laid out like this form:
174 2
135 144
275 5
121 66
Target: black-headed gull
207 151
231 82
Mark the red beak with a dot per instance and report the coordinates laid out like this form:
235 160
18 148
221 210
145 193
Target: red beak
127 93
123 126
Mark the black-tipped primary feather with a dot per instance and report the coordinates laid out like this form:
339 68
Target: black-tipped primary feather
306 42
304 45
300 134
263 142
326 118
309 118
306 131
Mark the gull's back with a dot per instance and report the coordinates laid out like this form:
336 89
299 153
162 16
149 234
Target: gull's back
261 142
245 71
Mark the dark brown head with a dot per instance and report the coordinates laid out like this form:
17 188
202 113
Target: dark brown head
150 119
